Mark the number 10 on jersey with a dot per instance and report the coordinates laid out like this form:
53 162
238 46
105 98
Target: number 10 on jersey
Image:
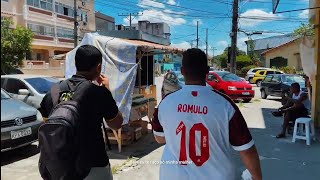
204 144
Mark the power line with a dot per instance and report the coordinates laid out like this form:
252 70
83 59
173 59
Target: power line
131 17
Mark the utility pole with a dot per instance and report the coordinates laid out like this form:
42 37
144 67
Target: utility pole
207 43
197 34
131 17
75 33
234 36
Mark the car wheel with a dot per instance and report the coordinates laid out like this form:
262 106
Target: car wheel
263 94
258 83
246 100
250 80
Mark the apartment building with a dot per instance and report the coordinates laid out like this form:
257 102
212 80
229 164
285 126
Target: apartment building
104 23
52 22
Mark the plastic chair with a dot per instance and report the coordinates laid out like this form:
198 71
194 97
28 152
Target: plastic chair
309 132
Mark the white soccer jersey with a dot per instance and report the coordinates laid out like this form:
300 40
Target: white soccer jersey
201 127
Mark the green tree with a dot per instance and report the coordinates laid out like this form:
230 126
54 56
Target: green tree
222 59
252 54
304 30
243 61
15 44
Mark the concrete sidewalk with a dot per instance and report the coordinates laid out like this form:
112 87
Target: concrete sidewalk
280 158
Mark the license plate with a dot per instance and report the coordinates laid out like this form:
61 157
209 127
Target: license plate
245 93
21 133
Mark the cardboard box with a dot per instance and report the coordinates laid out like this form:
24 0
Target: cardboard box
142 124
137 133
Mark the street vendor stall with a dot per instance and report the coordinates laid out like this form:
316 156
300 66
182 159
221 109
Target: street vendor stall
129 65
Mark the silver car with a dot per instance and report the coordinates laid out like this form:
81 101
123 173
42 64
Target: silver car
28 88
19 123
252 72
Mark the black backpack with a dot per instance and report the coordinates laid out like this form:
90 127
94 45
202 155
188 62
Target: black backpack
59 136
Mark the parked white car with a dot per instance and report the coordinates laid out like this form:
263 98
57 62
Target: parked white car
28 88
252 72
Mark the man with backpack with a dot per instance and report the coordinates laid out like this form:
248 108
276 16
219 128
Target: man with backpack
71 141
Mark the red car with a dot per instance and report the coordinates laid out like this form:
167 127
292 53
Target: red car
231 85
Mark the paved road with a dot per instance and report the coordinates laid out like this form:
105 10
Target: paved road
279 157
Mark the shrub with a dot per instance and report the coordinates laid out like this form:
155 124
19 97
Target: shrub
244 70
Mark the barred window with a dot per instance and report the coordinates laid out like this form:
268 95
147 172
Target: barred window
64 9
45 30
65 32
42 4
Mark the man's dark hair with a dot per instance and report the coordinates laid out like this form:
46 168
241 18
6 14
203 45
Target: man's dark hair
295 85
87 57
195 64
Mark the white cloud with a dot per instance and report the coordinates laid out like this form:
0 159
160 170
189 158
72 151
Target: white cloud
257 16
148 3
153 15
182 45
304 14
172 2
194 22
222 43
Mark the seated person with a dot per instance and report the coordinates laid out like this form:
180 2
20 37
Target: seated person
297 106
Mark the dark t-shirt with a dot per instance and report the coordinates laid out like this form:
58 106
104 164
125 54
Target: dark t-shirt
96 103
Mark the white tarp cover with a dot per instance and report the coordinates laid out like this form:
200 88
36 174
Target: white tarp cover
118 64
307 58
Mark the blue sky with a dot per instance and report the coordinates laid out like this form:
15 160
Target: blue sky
182 16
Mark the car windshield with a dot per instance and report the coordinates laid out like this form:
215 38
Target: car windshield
293 79
42 84
227 76
4 95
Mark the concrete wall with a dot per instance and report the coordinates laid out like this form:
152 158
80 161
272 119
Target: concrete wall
290 52
56 72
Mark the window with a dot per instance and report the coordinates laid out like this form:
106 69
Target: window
5 0
14 85
42 85
276 79
267 79
65 32
83 16
2 82
38 29
43 4
270 72
64 9
38 56
212 77
278 72
261 72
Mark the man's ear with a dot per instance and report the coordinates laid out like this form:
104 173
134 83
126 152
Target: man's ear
99 67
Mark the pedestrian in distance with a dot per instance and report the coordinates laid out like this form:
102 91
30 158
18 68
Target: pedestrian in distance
200 127
71 140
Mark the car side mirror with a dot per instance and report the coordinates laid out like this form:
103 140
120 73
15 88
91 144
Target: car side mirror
24 92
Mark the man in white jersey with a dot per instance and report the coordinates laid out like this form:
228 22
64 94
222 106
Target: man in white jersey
200 128
297 106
